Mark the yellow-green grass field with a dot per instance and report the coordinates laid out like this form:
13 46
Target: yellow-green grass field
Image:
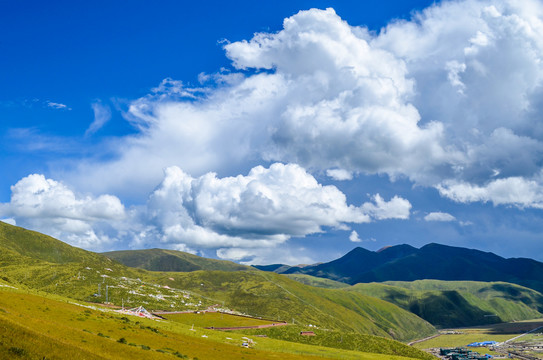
494 332
215 319
50 327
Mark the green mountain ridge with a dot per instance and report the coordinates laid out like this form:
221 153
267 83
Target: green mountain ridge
170 260
447 304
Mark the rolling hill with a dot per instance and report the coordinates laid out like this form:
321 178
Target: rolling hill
170 260
448 304
36 261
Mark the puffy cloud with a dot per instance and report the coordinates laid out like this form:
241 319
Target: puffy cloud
354 237
509 191
51 207
396 208
348 101
262 209
246 216
478 72
339 174
451 94
439 216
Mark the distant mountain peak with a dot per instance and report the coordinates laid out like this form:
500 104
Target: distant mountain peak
432 261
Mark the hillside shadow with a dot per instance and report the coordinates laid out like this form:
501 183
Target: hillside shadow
449 309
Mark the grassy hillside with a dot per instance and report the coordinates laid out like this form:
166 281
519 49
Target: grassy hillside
71 272
170 260
341 340
215 319
51 327
36 246
459 303
317 281
277 297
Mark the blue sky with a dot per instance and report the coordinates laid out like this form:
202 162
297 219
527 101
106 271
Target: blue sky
282 132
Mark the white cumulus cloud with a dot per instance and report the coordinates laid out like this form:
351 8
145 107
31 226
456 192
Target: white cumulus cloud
478 72
349 103
439 216
515 191
51 207
247 215
264 208
339 174
396 208
354 237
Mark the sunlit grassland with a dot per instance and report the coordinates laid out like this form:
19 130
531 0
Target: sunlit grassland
340 340
215 319
36 327
493 332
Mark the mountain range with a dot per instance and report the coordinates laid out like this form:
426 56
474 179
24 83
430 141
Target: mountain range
432 261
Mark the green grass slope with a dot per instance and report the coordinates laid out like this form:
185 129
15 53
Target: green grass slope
51 327
341 340
277 297
170 260
459 303
317 281
37 246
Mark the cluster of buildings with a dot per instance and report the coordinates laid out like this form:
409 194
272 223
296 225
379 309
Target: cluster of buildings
462 354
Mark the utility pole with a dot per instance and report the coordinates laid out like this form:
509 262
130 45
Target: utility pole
107 286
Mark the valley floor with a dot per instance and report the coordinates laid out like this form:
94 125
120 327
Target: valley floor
522 340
